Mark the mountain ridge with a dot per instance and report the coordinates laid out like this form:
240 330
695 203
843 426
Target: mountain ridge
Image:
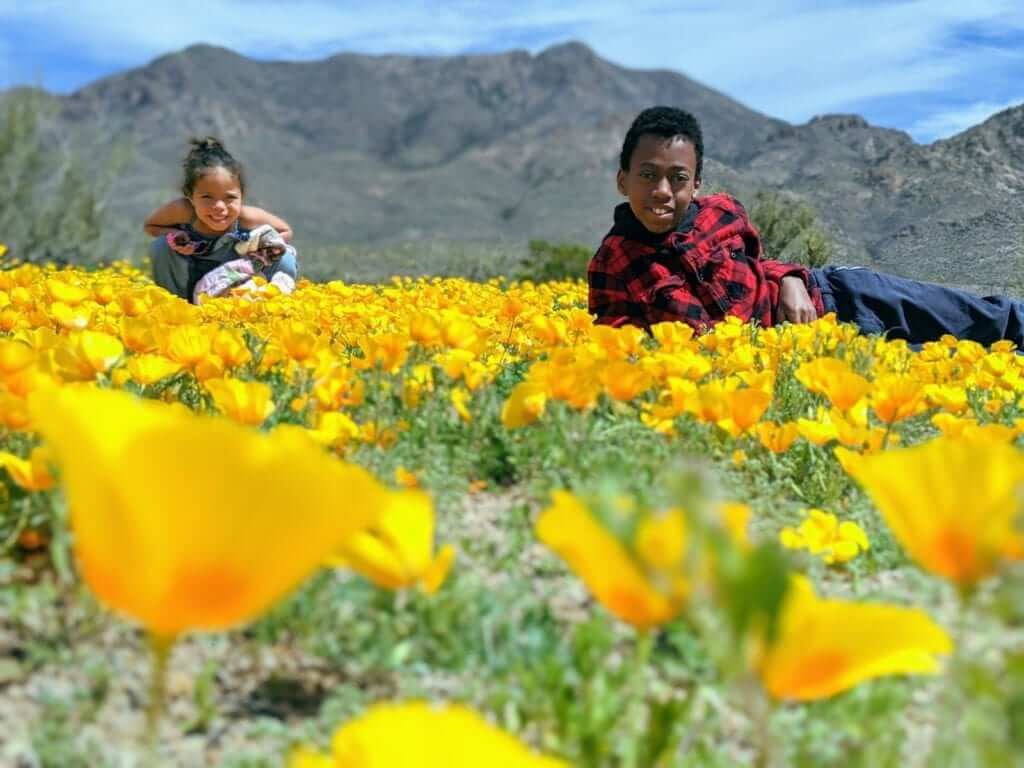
503 147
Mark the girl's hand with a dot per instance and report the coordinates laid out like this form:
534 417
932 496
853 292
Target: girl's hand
180 242
795 302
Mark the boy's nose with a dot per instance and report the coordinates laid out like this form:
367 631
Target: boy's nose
663 188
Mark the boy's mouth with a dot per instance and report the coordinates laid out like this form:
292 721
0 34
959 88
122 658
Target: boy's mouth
660 211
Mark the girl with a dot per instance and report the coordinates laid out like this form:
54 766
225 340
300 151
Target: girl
198 232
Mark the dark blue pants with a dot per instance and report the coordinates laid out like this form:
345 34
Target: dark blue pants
918 312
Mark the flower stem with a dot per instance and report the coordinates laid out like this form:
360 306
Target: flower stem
160 652
641 655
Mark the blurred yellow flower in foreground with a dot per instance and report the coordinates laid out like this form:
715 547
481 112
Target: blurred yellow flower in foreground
953 504
645 591
397 550
184 522
824 647
419 734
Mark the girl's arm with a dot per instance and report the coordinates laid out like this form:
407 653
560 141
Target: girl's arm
168 217
253 217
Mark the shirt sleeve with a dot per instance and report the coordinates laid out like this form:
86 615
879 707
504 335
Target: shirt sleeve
774 271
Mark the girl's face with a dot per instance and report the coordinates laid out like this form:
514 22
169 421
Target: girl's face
217 201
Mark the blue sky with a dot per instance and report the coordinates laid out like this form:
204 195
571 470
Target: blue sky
929 67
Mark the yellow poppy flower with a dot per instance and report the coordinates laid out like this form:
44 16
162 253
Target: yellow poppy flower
397 550
524 406
823 534
33 473
70 318
248 402
624 381
424 330
388 350
606 566
824 646
14 412
98 350
184 522
137 334
334 428
66 293
460 398
230 347
406 478
735 516
818 431
421 734
895 397
957 529
15 356
746 407
188 345
835 380
950 398
777 438
149 369
297 340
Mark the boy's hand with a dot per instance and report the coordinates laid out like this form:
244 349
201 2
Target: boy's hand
795 303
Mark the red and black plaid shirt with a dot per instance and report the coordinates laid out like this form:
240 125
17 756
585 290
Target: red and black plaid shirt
708 268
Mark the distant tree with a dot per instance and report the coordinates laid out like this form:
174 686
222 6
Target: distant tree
790 230
51 206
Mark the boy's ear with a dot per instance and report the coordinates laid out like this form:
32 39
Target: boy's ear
620 182
696 185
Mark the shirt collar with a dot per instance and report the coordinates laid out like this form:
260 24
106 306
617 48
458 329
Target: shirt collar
629 226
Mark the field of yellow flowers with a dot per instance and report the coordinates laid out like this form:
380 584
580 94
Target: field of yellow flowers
444 523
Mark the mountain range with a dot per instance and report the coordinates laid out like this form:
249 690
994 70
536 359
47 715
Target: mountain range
376 150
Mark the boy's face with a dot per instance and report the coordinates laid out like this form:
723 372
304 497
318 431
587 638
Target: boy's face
661 181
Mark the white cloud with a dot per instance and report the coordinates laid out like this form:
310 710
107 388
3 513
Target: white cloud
941 125
796 59
788 58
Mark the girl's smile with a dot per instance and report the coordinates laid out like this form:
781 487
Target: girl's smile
217 201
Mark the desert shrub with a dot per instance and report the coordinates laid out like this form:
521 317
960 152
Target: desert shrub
554 261
790 230
51 204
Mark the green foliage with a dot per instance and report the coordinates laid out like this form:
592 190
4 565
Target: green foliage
51 203
554 261
790 230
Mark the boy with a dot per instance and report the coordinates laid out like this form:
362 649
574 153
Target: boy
671 256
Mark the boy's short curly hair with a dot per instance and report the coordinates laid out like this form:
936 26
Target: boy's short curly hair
666 122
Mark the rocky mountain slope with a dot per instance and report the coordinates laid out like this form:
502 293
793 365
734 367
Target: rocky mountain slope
359 149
